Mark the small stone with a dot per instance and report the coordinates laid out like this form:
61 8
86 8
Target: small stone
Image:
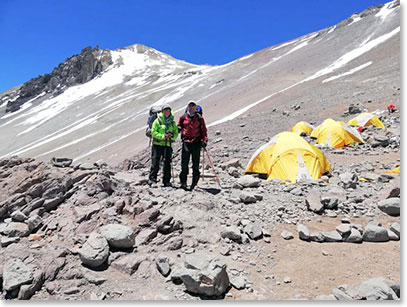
287 279
287 235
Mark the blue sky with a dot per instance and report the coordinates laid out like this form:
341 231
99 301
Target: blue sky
37 35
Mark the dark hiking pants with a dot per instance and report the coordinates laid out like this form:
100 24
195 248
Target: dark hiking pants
158 153
188 150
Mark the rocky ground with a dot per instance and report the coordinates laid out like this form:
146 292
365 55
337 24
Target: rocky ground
89 231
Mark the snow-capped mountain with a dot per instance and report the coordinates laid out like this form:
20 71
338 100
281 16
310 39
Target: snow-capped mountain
101 115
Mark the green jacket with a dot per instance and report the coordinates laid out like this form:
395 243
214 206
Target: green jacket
159 128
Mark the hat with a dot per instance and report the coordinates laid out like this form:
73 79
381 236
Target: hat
191 103
165 106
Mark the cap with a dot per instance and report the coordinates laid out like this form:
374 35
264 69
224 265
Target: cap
165 106
191 103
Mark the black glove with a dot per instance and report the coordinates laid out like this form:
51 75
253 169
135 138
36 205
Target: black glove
203 144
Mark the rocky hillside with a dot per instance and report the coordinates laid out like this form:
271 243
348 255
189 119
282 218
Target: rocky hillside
90 231
85 225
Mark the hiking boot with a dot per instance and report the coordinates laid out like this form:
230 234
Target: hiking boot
168 185
184 186
192 187
152 184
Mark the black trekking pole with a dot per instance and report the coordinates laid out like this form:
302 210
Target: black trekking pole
210 162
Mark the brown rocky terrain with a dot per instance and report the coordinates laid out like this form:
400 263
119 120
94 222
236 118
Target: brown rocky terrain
79 222
50 216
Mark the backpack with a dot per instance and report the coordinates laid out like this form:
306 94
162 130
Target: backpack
154 110
198 110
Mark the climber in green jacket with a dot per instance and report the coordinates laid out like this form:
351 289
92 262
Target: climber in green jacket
164 131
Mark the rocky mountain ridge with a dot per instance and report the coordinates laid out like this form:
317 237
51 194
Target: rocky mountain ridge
77 69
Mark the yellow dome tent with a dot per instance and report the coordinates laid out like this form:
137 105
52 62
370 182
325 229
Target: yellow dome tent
395 171
366 119
288 156
335 134
302 127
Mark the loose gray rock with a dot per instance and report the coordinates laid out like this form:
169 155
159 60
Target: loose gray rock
287 235
16 229
15 274
377 289
313 203
232 233
349 180
118 236
163 266
238 282
248 181
343 229
341 295
254 231
303 232
375 234
34 222
18 216
27 291
353 237
5 241
391 206
395 227
329 202
95 250
175 243
297 191
204 275
128 264
247 198
332 236
392 235
145 236
316 237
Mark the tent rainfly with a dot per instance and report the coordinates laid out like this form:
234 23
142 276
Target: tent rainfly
288 157
366 119
302 127
336 134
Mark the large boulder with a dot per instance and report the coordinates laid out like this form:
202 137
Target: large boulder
377 289
313 202
374 233
118 236
95 250
204 275
391 206
15 274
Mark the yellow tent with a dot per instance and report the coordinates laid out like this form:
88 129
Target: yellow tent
302 127
288 156
395 171
335 134
366 119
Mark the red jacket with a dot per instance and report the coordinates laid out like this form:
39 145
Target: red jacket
193 129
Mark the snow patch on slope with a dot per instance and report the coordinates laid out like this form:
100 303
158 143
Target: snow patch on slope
348 72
